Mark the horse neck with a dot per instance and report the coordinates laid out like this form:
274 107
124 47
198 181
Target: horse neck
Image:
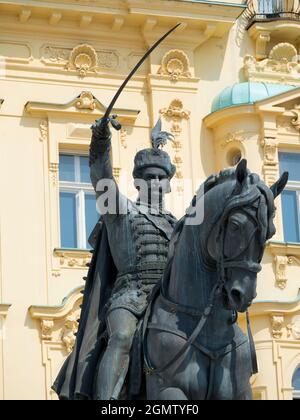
191 282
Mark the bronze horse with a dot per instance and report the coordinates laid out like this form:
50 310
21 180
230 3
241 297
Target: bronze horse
193 348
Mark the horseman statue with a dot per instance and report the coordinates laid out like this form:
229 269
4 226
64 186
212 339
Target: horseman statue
161 300
130 245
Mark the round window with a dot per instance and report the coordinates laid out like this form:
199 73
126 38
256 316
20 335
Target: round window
234 156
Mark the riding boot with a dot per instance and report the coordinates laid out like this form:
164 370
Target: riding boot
112 374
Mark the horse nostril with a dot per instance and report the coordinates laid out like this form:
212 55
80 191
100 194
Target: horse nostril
236 296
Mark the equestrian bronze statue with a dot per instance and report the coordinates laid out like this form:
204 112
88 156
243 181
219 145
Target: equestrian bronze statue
160 304
187 346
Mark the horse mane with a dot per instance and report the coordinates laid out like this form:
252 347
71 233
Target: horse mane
214 180
227 175
230 175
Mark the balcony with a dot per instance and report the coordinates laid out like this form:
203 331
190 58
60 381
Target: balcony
270 22
260 11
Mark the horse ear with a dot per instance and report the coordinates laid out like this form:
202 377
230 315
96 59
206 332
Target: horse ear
241 175
241 171
279 186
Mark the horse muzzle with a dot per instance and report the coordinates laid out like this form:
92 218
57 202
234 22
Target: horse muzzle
238 301
239 288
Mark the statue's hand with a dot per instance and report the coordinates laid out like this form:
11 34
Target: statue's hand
101 139
101 129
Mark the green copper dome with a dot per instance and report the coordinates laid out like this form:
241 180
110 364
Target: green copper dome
247 93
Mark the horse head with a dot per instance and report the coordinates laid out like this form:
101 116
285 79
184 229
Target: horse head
236 237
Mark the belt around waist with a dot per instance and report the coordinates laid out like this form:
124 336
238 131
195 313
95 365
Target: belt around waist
150 268
149 277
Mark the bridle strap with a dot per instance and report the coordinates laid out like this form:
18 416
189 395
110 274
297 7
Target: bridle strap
245 265
250 266
189 342
252 346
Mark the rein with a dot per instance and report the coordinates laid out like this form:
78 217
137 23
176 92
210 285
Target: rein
151 370
251 266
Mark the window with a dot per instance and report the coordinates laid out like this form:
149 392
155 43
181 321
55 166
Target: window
291 196
273 7
78 214
296 384
266 6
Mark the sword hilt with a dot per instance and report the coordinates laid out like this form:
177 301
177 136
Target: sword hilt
115 123
106 120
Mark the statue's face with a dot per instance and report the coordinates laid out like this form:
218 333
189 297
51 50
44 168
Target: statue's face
154 185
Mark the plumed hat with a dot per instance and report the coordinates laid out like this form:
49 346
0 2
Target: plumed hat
155 157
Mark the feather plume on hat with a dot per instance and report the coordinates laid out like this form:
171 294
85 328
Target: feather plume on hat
160 138
155 157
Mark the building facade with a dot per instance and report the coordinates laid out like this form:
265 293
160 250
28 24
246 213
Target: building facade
226 84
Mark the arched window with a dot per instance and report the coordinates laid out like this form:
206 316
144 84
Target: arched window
296 384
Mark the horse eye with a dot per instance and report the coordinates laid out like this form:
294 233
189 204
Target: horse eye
234 226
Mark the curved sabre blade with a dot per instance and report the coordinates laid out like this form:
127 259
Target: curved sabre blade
109 109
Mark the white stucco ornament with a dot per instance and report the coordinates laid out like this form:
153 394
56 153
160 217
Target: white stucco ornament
294 328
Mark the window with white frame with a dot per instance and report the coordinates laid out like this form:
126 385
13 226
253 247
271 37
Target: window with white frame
78 214
266 6
296 384
272 7
290 197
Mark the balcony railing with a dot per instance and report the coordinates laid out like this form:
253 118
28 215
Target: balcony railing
270 10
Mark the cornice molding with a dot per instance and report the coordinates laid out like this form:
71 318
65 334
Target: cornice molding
224 11
73 258
200 20
284 248
57 312
187 37
199 9
275 28
164 83
283 318
58 326
212 120
85 104
260 308
273 103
